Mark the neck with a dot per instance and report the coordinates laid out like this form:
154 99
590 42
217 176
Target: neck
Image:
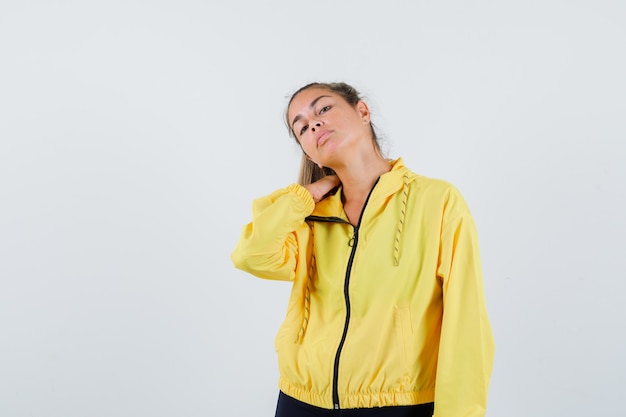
359 176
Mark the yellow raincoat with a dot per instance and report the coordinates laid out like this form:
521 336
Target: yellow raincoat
388 312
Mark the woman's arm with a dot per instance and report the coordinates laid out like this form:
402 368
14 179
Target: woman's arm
268 246
466 346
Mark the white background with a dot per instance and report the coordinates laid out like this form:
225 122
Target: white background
135 134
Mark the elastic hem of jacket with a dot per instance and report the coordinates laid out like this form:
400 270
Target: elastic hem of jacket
359 399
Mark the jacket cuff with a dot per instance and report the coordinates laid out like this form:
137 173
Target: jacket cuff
304 194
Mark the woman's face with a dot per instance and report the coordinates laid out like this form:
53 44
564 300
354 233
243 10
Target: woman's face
327 126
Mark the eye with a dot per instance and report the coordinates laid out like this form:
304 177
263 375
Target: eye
304 128
324 109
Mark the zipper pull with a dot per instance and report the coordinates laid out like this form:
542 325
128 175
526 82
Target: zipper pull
353 238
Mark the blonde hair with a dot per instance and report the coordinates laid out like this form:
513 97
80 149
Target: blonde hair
309 170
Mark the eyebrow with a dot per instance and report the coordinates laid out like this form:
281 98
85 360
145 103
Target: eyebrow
299 116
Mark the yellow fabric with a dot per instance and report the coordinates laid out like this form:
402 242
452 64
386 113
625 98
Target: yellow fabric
418 328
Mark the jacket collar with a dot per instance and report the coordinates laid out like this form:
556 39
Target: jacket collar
389 183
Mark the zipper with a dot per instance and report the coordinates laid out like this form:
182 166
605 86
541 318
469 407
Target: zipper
353 243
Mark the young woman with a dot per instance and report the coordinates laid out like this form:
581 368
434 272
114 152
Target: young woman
387 314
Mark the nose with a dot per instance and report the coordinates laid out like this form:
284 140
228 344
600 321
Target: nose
316 125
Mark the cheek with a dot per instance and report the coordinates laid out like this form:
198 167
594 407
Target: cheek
307 144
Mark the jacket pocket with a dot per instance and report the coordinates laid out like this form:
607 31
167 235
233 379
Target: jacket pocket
288 331
404 332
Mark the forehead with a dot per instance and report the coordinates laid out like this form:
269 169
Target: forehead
304 98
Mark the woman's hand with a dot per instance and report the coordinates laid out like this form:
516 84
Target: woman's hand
321 187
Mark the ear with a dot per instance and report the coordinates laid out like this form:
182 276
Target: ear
363 110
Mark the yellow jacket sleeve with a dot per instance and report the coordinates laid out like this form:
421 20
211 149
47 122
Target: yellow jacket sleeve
466 346
268 246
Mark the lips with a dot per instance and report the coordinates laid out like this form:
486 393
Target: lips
322 137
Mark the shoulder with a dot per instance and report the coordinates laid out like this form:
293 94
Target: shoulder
437 192
433 186
429 190
418 181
